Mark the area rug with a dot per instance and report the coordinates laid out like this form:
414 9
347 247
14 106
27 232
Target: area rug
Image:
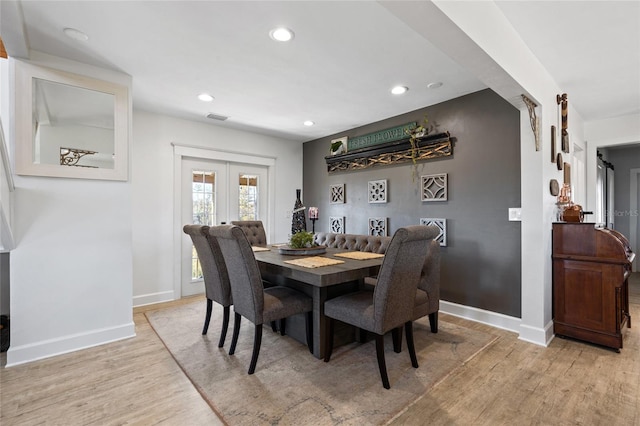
292 387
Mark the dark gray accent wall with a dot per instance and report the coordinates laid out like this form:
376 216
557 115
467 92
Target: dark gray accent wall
481 263
623 160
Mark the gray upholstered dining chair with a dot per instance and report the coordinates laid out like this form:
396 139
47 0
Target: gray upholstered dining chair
428 293
254 230
251 300
390 305
214 272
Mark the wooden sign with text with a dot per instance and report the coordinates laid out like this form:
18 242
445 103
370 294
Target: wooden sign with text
383 136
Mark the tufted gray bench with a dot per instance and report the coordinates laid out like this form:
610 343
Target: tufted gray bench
370 243
428 295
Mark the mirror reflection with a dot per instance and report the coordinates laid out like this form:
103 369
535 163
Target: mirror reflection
72 126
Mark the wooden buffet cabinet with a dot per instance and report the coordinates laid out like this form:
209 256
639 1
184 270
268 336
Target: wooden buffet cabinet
590 285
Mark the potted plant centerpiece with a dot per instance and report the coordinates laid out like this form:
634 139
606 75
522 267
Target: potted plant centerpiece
302 243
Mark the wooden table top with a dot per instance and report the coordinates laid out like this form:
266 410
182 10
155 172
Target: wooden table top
272 262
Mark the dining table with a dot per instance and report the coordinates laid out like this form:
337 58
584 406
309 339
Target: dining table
322 277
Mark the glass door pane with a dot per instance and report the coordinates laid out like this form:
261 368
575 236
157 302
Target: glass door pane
203 195
248 192
204 198
248 197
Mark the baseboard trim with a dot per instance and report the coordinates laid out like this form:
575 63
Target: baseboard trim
17 355
534 335
153 298
539 336
493 319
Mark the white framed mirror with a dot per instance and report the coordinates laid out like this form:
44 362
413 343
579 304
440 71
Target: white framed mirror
69 125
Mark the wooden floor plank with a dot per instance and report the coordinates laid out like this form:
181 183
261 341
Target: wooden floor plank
514 382
136 381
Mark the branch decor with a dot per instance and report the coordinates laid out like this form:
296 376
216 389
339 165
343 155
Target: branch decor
415 134
427 147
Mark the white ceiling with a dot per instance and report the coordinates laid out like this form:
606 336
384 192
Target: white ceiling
338 70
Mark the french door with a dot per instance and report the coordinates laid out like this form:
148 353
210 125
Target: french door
214 193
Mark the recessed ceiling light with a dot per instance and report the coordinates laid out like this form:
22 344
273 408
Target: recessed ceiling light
281 34
399 90
205 97
308 123
75 34
434 85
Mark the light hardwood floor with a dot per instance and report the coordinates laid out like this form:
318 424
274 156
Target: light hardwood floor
133 381
516 383
136 381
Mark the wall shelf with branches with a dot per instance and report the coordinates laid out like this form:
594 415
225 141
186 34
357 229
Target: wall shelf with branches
427 147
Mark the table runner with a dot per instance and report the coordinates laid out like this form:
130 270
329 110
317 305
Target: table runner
359 255
314 262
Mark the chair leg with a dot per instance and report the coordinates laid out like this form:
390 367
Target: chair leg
257 341
328 344
207 317
283 322
308 322
225 326
396 333
433 321
408 328
382 365
274 327
236 330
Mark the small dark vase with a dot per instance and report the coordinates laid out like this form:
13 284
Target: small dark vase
298 220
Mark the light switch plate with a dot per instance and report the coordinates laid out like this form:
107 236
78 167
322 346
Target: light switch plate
515 214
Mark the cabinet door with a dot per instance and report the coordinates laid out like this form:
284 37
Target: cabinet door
585 295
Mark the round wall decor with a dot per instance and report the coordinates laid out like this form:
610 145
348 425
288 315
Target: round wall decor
554 187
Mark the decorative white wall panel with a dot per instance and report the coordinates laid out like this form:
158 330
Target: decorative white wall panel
378 226
378 191
337 194
440 223
337 224
434 187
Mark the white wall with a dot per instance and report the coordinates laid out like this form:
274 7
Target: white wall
153 192
82 244
507 66
6 190
71 269
6 175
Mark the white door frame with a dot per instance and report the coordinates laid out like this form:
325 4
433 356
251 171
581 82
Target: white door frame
180 151
633 206
610 185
